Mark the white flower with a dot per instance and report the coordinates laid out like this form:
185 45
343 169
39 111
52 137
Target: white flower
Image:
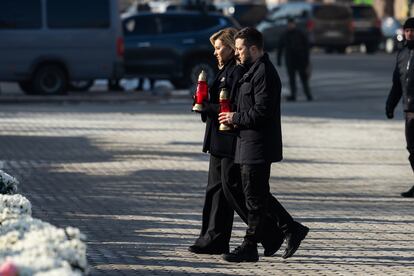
12 206
37 247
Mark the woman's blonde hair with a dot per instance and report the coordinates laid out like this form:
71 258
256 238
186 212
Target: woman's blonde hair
226 36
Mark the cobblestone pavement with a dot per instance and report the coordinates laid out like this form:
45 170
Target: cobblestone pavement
131 176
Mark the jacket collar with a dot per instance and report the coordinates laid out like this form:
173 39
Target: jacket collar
226 66
253 67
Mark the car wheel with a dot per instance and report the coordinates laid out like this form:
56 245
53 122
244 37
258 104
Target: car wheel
341 49
195 68
179 83
389 46
26 87
50 79
80 85
371 48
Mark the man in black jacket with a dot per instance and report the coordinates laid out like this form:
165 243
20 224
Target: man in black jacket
403 86
258 145
295 45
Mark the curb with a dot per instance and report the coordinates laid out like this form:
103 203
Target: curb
91 97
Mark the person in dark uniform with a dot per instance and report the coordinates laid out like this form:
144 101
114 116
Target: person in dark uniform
224 191
295 45
403 86
259 143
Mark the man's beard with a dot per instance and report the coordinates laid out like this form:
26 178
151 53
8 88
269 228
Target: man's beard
248 61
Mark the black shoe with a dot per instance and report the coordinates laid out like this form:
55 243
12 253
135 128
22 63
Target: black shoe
247 252
271 248
207 250
310 98
291 99
409 193
294 238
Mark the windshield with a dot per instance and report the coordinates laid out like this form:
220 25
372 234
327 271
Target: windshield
363 12
330 12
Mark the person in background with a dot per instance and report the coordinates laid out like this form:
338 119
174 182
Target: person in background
403 87
140 86
295 46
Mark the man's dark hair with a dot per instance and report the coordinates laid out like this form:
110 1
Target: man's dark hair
251 37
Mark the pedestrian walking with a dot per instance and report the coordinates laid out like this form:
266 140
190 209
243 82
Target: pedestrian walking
294 44
217 218
259 143
403 87
224 190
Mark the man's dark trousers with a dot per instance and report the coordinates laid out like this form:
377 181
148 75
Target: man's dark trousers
276 220
303 75
262 211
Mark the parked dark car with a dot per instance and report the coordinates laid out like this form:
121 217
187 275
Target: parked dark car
367 27
393 36
246 14
172 45
327 25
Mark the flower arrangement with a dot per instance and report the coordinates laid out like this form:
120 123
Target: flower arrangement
8 184
30 246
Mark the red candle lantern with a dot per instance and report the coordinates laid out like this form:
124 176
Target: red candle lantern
224 100
202 92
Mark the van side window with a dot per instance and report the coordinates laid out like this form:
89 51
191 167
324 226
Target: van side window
20 14
93 14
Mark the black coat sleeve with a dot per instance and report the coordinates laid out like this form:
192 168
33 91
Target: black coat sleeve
396 91
262 108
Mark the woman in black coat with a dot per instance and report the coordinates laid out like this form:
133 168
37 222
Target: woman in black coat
217 213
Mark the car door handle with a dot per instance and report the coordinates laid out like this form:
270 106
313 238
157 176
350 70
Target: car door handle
144 44
188 41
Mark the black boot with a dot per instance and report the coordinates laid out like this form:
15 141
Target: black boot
409 193
247 252
270 248
197 249
294 237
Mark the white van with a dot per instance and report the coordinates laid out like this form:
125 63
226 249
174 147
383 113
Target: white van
47 44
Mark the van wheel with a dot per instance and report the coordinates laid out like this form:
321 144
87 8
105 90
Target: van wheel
26 87
80 86
50 79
